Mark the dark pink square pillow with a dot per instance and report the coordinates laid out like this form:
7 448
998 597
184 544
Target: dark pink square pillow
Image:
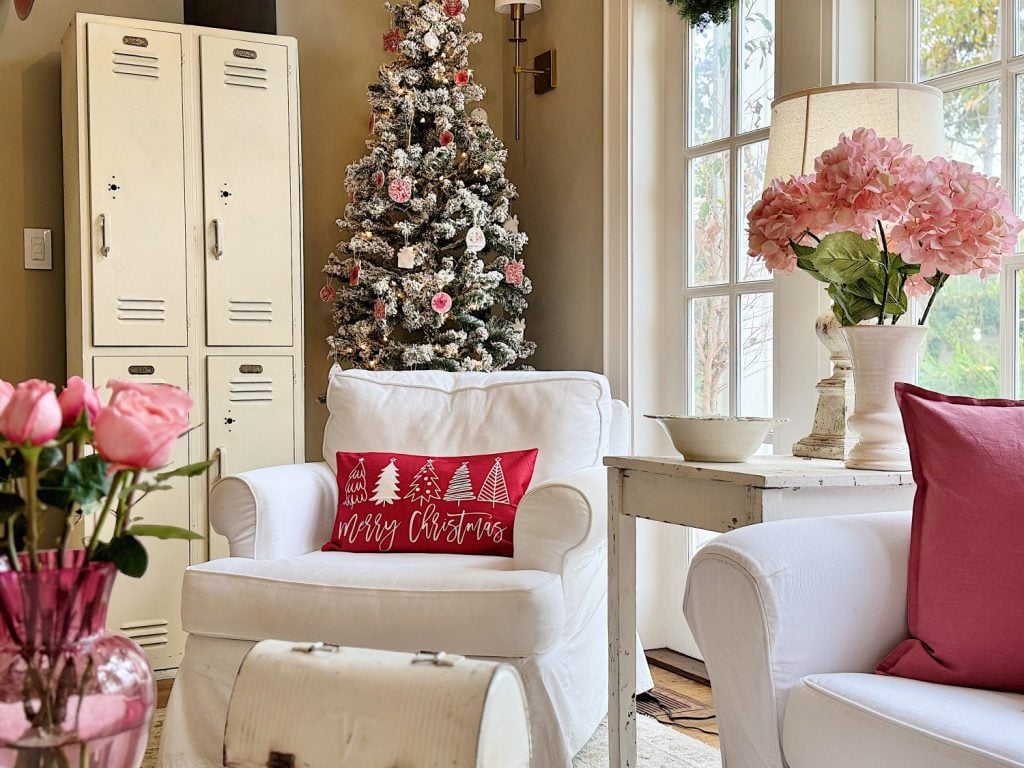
965 590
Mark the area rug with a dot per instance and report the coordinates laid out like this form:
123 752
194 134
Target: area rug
659 745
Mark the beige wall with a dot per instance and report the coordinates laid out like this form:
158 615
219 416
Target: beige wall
339 51
558 168
31 187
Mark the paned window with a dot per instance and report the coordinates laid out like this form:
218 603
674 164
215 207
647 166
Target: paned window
728 297
973 51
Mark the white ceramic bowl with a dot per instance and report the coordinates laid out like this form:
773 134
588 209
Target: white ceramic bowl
717 438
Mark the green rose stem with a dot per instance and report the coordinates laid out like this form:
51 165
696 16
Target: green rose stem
30 453
938 287
113 493
888 267
125 503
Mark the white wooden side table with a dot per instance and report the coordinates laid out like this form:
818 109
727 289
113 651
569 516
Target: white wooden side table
714 497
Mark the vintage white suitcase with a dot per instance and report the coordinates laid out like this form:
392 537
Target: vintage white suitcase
322 706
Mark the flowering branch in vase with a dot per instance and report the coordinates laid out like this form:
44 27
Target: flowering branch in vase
934 219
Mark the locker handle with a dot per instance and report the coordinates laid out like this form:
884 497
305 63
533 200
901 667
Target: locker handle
219 455
218 238
105 234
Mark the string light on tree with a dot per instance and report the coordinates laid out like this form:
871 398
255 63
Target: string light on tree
422 273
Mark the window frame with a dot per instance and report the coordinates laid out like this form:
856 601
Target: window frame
732 288
1005 69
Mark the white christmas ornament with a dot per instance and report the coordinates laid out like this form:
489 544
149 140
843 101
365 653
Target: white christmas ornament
430 41
479 115
512 224
475 240
407 257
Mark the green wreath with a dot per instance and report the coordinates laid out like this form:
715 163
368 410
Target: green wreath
700 13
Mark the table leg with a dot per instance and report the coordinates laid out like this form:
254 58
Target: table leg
621 628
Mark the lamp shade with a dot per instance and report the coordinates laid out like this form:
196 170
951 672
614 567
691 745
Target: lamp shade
806 123
505 6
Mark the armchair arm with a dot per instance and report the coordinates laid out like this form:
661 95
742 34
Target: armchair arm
275 512
772 603
561 517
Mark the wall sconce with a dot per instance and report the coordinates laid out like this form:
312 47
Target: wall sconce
545 66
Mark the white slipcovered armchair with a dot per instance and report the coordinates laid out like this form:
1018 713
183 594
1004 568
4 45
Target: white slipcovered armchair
543 610
793 616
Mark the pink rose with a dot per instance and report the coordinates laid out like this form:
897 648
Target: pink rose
32 414
139 428
6 390
76 397
168 395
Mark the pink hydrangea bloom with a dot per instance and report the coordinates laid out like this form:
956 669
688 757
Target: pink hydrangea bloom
916 286
783 214
858 180
958 221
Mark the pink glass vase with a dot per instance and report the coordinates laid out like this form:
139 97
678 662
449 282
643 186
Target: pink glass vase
71 695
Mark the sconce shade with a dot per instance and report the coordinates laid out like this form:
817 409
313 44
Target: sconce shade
505 6
806 123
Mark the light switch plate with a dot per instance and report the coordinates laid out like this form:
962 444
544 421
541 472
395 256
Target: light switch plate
38 249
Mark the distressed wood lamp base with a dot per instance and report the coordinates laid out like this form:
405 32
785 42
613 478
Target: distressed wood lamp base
829 438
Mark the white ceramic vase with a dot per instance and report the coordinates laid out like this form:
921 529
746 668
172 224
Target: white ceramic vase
881 355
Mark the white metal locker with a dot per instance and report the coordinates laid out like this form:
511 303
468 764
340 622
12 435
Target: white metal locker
136 152
247 167
251 402
148 609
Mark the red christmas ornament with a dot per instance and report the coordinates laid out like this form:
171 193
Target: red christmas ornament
327 293
400 190
391 40
372 124
353 275
351 196
441 302
453 7
462 77
380 311
446 138
379 179
514 273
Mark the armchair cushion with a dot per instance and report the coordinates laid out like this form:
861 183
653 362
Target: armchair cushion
566 415
850 720
466 604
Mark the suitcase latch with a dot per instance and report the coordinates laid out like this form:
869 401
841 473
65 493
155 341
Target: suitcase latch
437 658
313 648
280 760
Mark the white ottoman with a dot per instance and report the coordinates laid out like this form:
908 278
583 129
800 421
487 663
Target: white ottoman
323 706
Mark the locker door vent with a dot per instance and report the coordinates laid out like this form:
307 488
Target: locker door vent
242 311
135 308
134 64
147 633
251 390
245 75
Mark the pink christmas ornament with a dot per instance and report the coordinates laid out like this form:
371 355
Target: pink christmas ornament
462 77
453 7
445 138
328 294
379 179
441 302
353 275
400 190
514 273
379 309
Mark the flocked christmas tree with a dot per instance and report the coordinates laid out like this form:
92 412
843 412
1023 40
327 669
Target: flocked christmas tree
430 274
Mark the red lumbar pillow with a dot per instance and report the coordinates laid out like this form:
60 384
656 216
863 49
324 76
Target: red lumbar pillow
965 590
443 504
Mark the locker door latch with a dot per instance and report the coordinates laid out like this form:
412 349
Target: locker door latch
218 239
104 234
